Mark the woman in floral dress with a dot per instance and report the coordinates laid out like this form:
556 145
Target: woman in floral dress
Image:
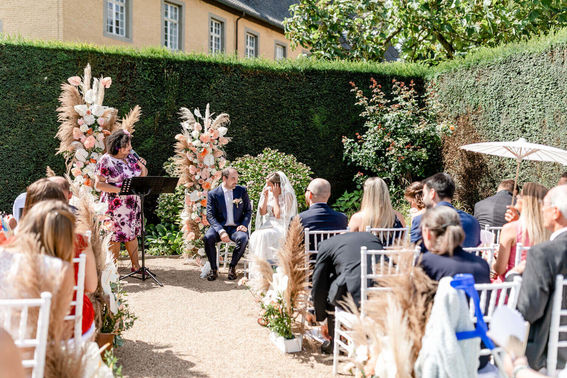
117 165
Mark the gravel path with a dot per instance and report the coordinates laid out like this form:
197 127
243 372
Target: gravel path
195 328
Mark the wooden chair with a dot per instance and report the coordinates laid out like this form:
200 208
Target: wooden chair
18 310
383 262
77 304
556 330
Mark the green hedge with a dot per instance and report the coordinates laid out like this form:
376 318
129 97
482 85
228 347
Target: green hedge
503 94
299 107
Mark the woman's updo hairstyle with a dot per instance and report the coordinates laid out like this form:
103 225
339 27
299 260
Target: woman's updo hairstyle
274 178
415 191
117 140
444 223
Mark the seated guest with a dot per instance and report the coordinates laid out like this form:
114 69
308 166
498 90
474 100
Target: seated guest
490 211
546 260
41 190
376 209
10 357
563 179
336 273
414 195
443 236
438 190
320 216
528 230
65 187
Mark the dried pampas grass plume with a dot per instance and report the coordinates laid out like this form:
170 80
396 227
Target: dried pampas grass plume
293 261
132 117
49 172
262 278
67 116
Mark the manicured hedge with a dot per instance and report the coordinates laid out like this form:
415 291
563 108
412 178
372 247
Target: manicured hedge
298 107
503 94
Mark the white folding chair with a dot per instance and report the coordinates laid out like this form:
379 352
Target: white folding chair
383 263
487 253
495 231
314 237
223 249
556 329
492 295
520 248
77 304
17 310
390 236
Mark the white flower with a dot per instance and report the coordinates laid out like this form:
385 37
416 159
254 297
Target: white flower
194 196
89 119
79 180
97 110
83 128
198 113
195 134
279 280
196 143
90 96
197 176
81 109
209 160
81 154
185 125
108 275
201 252
222 131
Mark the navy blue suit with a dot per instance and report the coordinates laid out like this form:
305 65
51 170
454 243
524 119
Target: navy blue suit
470 225
320 216
216 215
439 266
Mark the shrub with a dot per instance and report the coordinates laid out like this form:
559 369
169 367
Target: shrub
254 169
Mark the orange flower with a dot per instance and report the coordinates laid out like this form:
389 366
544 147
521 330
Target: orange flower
204 202
204 152
106 132
206 185
88 182
89 131
92 161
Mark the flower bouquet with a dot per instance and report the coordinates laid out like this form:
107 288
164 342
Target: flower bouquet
200 159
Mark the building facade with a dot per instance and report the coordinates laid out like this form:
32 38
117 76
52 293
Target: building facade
249 28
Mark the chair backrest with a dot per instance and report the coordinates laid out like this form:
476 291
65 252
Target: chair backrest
487 253
314 237
555 328
389 236
495 231
520 249
17 310
383 262
77 303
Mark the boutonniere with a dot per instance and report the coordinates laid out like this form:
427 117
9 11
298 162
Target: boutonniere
237 201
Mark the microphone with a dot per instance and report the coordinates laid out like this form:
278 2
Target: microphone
136 155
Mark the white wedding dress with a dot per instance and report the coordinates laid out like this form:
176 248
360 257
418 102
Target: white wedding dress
270 231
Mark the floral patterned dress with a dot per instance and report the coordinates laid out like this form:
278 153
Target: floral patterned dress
124 211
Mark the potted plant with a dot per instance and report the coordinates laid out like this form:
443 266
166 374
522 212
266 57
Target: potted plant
114 323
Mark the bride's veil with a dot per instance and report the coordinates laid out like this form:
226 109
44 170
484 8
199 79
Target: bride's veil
287 200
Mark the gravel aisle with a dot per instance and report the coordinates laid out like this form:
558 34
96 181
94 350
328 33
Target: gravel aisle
195 328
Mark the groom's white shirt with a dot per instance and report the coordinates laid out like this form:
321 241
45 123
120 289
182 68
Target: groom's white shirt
228 202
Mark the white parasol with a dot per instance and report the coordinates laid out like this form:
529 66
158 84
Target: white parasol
520 150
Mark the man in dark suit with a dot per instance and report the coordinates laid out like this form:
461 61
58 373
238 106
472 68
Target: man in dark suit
320 216
438 190
490 211
545 261
228 212
337 273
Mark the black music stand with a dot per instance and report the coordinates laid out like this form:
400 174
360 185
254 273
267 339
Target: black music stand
142 186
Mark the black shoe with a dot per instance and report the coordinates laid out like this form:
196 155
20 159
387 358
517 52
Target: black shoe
327 347
213 274
231 273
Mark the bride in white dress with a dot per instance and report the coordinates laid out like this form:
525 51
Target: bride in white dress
276 207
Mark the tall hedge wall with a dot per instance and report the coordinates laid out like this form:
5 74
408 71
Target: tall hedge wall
300 107
504 94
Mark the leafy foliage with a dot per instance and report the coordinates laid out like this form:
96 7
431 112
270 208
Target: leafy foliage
424 30
111 361
277 318
254 169
124 318
164 239
349 202
402 139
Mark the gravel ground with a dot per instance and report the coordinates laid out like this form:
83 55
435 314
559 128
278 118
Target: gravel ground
195 328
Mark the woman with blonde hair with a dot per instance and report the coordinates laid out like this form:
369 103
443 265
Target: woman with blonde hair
443 236
528 230
376 209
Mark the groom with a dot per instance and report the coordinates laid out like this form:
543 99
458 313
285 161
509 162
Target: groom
228 212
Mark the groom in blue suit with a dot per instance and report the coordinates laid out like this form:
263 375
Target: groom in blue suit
228 212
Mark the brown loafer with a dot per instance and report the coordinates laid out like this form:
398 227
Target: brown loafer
232 273
213 274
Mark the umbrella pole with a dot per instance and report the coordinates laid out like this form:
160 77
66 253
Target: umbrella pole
516 182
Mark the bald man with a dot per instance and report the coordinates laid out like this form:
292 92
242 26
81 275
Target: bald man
320 216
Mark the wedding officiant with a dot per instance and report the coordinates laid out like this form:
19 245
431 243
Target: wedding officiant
119 163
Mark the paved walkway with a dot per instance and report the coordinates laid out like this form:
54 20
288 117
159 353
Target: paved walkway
195 328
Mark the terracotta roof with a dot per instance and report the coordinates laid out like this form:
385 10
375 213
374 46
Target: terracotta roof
270 11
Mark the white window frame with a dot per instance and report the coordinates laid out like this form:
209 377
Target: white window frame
167 22
251 51
220 35
125 33
281 45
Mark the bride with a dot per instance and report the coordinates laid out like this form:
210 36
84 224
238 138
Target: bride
276 207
